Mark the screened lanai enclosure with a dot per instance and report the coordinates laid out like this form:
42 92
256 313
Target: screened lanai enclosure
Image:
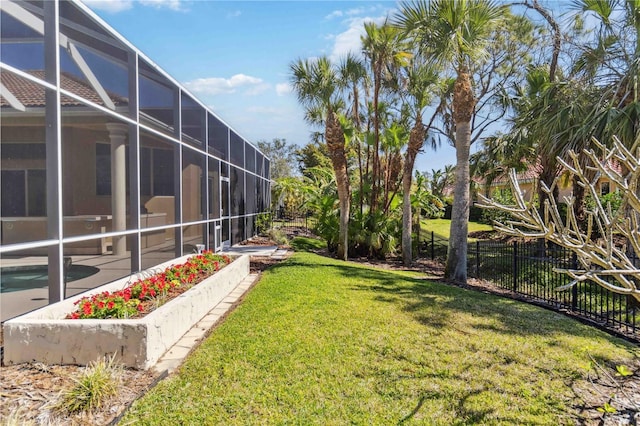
108 164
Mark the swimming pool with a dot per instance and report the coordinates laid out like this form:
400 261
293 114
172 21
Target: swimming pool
17 278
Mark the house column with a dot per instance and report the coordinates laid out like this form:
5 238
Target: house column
118 135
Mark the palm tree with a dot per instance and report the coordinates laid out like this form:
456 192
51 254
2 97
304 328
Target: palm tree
354 75
455 34
385 51
439 180
318 86
612 62
420 80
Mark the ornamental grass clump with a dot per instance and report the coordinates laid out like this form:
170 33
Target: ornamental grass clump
147 293
98 383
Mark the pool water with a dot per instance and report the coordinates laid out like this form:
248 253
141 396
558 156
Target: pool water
17 278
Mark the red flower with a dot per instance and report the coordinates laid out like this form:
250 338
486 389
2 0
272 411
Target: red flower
87 308
195 268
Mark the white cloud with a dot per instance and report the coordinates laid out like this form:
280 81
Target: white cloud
334 14
349 40
283 88
162 4
234 14
219 85
115 6
112 6
353 12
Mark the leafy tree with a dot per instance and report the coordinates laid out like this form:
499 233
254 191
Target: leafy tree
282 156
312 155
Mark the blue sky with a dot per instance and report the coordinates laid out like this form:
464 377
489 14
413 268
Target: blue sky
234 55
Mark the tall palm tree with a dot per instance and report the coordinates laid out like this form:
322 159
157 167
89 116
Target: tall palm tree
612 62
421 78
354 76
318 88
455 34
385 50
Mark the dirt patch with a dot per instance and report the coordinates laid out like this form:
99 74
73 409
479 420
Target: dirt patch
485 235
259 241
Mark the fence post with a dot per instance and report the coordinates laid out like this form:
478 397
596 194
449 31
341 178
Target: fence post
574 289
478 259
433 247
515 266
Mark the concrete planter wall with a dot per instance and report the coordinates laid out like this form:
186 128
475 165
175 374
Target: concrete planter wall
45 336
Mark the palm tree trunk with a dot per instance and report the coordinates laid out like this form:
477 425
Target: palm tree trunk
375 181
463 107
356 121
456 268
416 139
335 145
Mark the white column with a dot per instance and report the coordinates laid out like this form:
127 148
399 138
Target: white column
118 135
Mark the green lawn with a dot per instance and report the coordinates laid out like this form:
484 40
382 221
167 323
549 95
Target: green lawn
323 342
441 227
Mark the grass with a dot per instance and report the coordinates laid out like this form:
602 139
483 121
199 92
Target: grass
323 342
441 227
98 382
307 244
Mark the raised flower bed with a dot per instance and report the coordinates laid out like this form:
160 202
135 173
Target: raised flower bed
51 334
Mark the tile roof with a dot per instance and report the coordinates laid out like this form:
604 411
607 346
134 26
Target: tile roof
532 173
31 94
529 175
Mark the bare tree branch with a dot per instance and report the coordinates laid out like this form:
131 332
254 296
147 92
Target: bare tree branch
602 250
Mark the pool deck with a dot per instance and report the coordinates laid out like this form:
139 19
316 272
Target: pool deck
20 302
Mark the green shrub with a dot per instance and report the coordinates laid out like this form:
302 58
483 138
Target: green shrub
278 236
504 197
612 198
263 222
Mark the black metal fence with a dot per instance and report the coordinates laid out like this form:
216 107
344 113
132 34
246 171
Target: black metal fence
281 218
524 268
527 269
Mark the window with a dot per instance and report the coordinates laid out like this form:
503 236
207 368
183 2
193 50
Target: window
604 188
24 193
156 170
